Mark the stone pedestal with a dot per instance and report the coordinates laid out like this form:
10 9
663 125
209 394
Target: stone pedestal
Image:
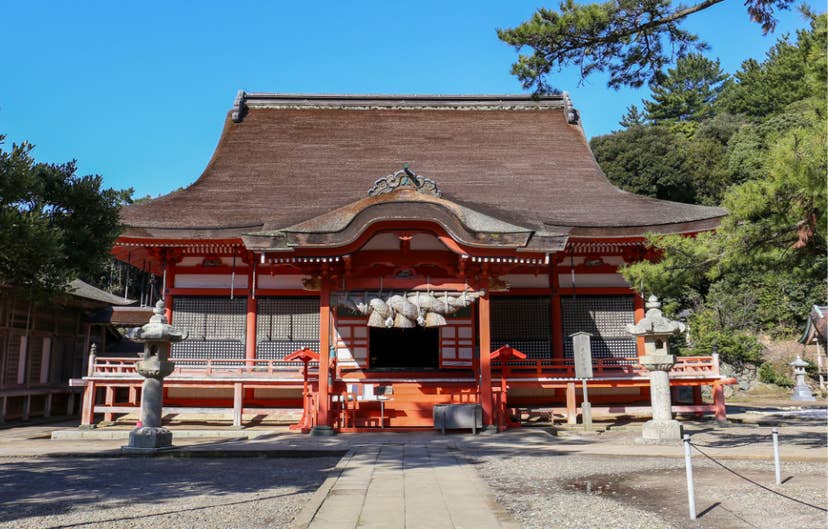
146 439
662 427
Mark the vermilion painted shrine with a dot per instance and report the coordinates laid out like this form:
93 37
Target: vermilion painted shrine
366 258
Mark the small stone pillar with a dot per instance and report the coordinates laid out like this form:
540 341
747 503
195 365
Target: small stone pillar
656 330
801 390
157 335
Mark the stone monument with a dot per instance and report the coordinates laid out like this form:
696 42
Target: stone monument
656 330
157 335
801 391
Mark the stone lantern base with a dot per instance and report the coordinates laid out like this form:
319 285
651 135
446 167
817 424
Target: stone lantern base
662 431
147 440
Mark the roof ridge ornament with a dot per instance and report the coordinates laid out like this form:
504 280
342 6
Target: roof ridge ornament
571 113
404 178
239 106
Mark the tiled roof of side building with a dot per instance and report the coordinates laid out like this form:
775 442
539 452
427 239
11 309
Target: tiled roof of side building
285 159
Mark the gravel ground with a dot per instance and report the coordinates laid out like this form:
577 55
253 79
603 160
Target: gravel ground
561 491
166 493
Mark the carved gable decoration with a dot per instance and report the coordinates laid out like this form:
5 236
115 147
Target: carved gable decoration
404 178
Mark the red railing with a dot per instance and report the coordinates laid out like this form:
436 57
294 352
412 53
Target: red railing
686 366
125 366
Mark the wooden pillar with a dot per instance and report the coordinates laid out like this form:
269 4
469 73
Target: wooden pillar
250 337
571 406
27 406
557 328
109 400
88 405
323 402
133 395
70 404
47 406
3 401
237 404
485 358
719 409
638 305
697 396
169 283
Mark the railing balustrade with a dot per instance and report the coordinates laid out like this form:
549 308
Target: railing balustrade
125 366
686 366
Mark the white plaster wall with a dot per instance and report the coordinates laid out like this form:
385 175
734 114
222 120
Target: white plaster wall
526 280
209 280
592 280
280 281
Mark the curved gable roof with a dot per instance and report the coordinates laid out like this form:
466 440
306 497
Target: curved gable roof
285 159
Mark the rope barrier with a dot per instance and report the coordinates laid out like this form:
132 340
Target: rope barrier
755 483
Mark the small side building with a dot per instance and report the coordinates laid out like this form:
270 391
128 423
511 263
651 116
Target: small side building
43 347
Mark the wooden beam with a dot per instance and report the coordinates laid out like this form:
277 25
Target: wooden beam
237 404
323 406
571 405
638 305
484 317
250 334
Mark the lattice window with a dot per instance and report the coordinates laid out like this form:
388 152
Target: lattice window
12 359
288 319
215 327
285 324
523 322
605 318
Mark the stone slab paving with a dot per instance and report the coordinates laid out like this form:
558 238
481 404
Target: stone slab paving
404 486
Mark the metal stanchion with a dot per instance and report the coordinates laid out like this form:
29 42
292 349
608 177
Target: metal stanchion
688 465
777 466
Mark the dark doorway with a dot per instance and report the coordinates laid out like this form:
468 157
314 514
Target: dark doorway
415 348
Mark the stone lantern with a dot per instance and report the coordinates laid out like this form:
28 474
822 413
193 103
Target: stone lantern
157 335
801 390
656 330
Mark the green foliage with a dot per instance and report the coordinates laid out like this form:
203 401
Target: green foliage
687 92
735 347
766 265
662 162
631 40
632 118
760 89
54 225
770 375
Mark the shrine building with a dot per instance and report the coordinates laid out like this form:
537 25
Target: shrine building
365 258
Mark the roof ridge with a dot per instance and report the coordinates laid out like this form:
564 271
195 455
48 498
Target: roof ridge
246 100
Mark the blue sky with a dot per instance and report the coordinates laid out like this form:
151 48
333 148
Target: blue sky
138 91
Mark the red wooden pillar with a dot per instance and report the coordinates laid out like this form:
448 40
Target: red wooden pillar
638 305
571 404
719 409
250 335
169 283
557 329
484 313
88 406
323 406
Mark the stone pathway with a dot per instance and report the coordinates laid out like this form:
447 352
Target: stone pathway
403 486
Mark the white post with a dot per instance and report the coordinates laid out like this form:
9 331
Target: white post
688 464
777 466
586 408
